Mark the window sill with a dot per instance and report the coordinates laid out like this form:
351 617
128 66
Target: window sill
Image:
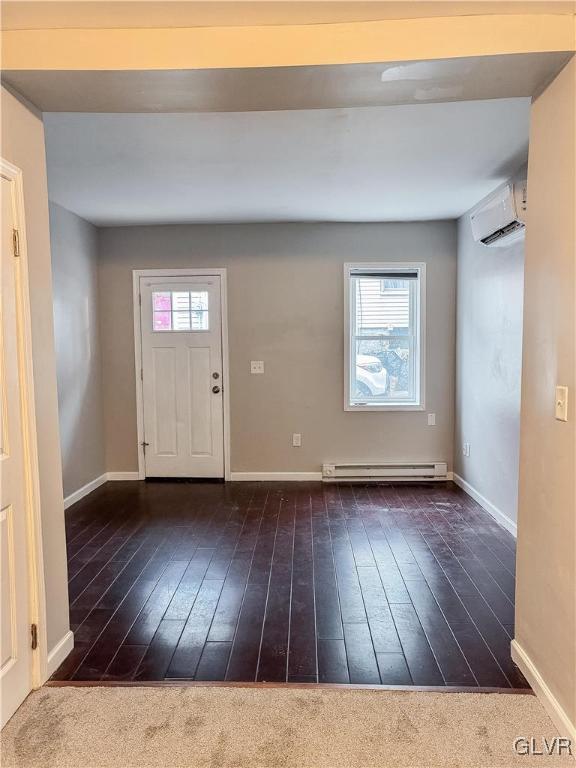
386 407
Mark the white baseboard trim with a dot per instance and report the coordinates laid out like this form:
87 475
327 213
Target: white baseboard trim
85 490
271 476
499 516
96 483
550 703
283 476
57 655
122 476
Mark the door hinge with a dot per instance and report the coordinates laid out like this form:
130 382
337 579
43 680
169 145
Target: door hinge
144 444
34 636
140 299
141 374
15 242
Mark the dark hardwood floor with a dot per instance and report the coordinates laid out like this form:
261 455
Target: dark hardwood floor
293 582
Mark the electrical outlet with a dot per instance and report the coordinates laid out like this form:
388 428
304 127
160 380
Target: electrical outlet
296 440
466 449
256 366
431 419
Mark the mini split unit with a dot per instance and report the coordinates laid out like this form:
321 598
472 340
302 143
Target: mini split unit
501 219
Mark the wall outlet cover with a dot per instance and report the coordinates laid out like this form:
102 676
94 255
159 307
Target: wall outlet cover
256 366
561 403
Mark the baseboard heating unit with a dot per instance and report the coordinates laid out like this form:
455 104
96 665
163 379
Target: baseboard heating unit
431 471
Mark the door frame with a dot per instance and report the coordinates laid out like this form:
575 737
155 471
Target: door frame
35 555
220 272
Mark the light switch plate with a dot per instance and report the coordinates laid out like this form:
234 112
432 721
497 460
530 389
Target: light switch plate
256 366
296 440
561 405
431 419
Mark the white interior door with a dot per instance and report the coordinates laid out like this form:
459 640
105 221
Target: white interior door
15 646
181 329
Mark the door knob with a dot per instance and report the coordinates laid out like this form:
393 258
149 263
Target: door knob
215 390
215 375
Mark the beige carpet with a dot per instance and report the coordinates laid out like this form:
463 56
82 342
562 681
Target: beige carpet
279 727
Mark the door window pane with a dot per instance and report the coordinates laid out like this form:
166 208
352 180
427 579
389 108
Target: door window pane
162 321
181 321
162 301
181 300
180 311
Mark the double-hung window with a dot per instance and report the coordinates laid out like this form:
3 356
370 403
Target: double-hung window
384 343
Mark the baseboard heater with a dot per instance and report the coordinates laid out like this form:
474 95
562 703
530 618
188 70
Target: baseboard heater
431 471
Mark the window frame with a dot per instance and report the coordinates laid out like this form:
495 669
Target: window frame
419 404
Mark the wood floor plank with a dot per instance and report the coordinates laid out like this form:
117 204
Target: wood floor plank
393 669
382 628
328 616
192 640
420 659
125 663
273 656
160 651
144 628
213 661
332 661
302 642
243 662
447 652
362 664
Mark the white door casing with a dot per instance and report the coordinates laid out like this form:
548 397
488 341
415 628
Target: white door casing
182 375
21 668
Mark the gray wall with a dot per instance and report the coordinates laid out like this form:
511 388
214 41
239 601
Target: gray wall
489 367
286 307
74 245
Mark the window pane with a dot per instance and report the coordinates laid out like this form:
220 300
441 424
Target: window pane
199 320
369 377
162 321
383 370
199 300
161 300
181 321
382 306
181 300
383 341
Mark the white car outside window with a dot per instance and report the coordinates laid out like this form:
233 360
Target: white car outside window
371 377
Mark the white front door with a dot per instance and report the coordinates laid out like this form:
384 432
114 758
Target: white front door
181 329
15 646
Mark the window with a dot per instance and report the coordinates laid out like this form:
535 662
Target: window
180 310
384 364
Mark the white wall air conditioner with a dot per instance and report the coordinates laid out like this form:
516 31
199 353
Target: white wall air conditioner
501 219
389 472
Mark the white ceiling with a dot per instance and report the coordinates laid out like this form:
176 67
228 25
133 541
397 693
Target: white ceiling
54 14
428 161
